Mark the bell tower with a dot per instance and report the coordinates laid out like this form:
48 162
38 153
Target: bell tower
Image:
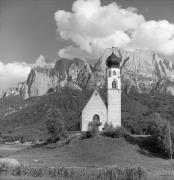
114 90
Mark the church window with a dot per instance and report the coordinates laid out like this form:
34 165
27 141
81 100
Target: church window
114 73
109 73
114 84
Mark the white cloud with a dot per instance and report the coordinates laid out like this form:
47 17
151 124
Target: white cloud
92 27
70 52
12 73
155 35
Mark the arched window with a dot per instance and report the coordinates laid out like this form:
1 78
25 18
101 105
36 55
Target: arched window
109 73
114 73
114 84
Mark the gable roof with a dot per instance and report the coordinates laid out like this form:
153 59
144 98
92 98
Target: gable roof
91 98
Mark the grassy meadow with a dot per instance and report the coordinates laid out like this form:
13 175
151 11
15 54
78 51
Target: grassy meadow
96 152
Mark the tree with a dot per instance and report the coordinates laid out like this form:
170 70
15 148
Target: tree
163 134
54 123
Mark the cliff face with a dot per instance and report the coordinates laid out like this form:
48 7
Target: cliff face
65 72
14 91
144 71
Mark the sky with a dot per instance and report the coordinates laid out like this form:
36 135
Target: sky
82 28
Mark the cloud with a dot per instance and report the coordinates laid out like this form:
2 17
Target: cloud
92 27
12 73
155 35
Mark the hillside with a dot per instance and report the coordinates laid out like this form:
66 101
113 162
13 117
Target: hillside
30 119
26 118
95 152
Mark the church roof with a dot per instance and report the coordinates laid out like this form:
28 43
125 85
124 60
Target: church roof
95 93
113 61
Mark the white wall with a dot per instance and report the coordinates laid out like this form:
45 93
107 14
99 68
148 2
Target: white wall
114 97
94 106
114 107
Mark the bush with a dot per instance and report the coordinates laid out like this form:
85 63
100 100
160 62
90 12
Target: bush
9 163
156 126
86 135
93 127
92 131
22 140
54 123
137 124
117 132
159 129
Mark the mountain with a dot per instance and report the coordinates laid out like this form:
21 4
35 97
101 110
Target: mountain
141 70
18 90
76 73
22 88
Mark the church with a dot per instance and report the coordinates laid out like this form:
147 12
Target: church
96 110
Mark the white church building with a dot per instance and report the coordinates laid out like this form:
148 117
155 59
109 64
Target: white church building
95 109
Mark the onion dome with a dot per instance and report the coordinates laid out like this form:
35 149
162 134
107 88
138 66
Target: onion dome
113 61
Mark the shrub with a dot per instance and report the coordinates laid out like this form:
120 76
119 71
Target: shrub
159 129
86 135
22 140
92 131
137 124
93 127
117 132
9 163
54 123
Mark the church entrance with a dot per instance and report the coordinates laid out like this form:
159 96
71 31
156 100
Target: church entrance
96 118
96 121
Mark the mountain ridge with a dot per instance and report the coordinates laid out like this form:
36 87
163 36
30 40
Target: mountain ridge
141 70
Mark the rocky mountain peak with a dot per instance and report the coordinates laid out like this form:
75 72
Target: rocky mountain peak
40 62
141 70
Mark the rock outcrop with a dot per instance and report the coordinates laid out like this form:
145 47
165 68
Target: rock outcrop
18 90
141 70
76 73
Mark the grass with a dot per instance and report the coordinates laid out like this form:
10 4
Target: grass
6 150
96 152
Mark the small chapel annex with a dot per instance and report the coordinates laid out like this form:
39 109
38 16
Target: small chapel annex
95 109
